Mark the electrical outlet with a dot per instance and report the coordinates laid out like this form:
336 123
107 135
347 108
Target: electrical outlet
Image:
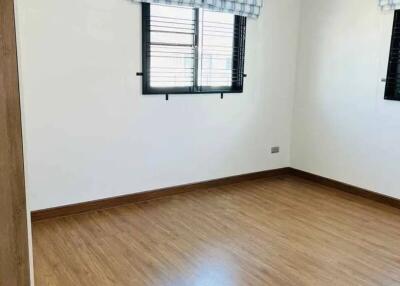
275 150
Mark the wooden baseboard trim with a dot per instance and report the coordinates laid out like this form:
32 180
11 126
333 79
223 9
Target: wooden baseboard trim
149 195
347 188
159 193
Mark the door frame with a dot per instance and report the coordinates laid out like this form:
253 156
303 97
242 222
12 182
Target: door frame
14 243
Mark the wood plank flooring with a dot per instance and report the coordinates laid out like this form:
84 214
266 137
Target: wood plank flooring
276 231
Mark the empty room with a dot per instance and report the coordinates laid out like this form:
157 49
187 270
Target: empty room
199 142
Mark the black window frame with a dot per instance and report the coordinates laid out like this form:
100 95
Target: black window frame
237 64
392 88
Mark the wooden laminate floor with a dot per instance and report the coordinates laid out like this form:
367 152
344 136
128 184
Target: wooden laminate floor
278 231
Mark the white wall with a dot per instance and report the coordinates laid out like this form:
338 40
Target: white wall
90 134
342 127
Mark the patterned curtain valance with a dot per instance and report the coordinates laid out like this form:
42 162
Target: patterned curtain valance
246 8
389 4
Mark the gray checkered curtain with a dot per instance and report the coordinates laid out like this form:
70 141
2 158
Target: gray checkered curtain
185 3
246 8
389 4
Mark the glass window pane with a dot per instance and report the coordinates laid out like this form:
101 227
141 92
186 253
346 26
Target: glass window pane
171 49
216 48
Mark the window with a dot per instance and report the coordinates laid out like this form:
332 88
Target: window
392 91
191 50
